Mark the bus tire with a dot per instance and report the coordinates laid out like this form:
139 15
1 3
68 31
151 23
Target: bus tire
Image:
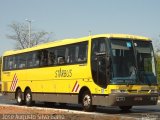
125 108
87 102
19 97
28 97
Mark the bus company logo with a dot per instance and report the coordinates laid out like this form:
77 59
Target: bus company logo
76 87
14 83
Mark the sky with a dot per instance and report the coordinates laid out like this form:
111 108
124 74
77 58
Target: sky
75 18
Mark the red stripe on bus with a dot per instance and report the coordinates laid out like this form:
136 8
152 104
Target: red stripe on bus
74 86
14 83
11 88
77 88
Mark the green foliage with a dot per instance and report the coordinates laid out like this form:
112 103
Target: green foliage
158 67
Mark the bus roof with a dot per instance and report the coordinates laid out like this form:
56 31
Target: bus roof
74 40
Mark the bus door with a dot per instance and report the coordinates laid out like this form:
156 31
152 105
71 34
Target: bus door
99 62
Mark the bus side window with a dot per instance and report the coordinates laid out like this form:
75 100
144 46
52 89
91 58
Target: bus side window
32 60
16 60
10 63
5 63
43 56
71 57
29 60
61 55
35 59
82 52
51 57
22 61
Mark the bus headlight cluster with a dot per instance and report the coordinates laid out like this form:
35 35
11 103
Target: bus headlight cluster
153 91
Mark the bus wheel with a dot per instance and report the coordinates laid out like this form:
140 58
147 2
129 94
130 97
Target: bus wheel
125 108
28 97
19 97
87 102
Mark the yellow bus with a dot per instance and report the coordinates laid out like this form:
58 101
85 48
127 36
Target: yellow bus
98 70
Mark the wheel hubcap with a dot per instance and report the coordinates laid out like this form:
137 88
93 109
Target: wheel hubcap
87 100
28 97
19 99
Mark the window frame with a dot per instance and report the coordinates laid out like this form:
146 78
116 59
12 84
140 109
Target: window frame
54 49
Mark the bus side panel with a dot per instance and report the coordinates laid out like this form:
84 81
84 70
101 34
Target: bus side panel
11 80
61 98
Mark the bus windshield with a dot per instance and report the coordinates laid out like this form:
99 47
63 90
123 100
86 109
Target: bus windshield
145 62
132 62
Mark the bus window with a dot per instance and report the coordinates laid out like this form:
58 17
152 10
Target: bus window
32 60
29 60
51 56
10 63
76 53
71 57
6 63
81 52
122 59
22 61
61 55
43 56
16 62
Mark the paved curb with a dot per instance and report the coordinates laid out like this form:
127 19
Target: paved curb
66 111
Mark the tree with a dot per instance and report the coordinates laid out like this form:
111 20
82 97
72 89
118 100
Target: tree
158 64
21 36
156 44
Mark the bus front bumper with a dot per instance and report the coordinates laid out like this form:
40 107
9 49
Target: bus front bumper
120 99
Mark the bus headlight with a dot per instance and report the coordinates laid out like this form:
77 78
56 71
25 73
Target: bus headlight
115 91
153 91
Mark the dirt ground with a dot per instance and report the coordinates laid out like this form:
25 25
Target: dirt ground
31 113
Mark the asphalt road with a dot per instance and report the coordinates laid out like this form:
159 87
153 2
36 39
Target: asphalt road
137 112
